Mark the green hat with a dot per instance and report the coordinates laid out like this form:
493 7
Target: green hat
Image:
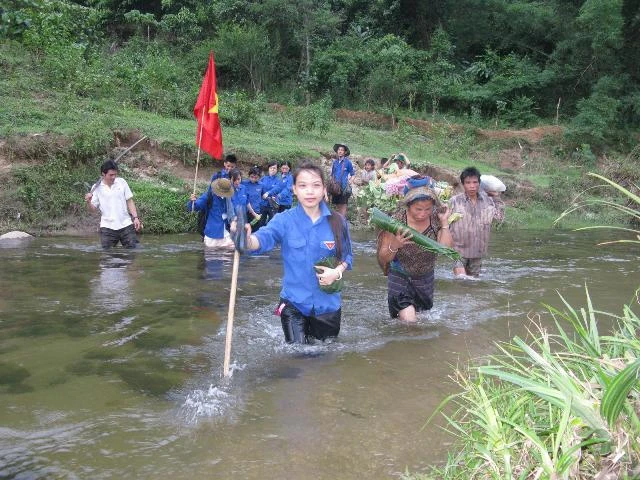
347 152
222 187
401 157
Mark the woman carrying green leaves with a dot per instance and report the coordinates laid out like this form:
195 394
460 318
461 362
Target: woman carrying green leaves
408 264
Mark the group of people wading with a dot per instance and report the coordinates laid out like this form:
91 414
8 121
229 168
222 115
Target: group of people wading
314 240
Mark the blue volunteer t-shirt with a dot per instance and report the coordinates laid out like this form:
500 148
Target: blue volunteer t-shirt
303 243
283 190
254 194
268 182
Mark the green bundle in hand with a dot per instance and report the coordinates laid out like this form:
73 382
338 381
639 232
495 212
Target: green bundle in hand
391 225
330 262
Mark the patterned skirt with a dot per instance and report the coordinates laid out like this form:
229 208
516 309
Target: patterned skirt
404 291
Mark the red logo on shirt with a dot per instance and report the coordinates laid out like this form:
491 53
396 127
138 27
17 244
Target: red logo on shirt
329 244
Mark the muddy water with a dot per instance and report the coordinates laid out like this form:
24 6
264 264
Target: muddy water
110 364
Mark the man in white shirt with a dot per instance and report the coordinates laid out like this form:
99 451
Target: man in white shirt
114 199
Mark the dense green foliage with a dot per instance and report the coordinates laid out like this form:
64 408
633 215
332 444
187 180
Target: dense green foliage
500 61
52 187
163 208
555 406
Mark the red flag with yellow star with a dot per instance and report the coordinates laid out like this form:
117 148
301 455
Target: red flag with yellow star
209 133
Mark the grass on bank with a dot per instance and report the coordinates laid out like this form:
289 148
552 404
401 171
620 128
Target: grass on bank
556 406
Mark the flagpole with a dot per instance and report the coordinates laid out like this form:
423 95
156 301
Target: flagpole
231 313
195 179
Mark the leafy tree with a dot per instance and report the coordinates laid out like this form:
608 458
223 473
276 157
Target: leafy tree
15 17
393 80
182 27
297 27
143 22
630 53
244 52
496 77
598 115
439 73
338 68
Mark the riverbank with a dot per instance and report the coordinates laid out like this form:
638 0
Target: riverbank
45 174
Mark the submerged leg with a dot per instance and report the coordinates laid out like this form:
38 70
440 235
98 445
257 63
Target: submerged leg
293 325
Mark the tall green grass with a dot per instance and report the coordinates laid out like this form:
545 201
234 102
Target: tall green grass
558 406
630 209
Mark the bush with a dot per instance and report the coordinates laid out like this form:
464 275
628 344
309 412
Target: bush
597 116
520 113
89 142
317 116
405 134
162 209
53 189
560 193
584 156
151 79
237 109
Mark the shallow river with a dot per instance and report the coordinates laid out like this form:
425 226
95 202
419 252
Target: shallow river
110 363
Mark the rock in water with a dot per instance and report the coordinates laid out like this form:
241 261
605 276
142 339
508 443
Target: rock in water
15 235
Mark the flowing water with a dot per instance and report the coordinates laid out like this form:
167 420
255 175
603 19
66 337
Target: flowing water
110 363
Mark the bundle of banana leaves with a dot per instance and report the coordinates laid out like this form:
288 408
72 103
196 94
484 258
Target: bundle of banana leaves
330 262
385 222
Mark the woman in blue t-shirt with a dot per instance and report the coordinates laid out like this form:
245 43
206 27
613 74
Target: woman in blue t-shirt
282 192
254 190
308 234
267 208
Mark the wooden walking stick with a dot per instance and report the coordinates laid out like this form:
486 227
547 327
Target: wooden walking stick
240 241
231 313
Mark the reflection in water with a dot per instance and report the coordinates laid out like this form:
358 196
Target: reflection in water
111 290
216 262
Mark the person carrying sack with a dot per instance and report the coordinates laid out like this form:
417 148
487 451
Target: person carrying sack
339 186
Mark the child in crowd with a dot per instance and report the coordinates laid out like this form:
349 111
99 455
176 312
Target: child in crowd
395 181
368 173
240 198
363 178
230 162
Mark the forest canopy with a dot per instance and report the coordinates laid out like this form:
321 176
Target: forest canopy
513 63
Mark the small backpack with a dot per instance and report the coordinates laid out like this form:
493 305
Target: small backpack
203 215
